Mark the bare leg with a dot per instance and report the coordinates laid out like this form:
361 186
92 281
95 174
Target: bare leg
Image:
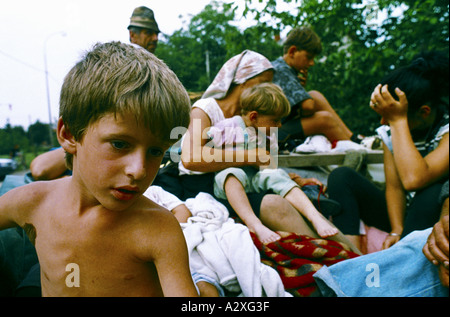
239 201
322 103
279 215
322 122
301 202
356 240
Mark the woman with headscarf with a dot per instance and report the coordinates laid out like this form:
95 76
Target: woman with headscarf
221 101
199 161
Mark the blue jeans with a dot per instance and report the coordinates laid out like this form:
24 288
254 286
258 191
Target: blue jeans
400 271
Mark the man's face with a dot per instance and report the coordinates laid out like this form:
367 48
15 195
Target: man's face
148 39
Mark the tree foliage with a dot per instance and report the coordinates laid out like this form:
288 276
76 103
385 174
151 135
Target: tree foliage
11 137
357 53
362 40
38 133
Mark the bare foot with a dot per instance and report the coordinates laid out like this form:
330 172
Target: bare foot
323 227
264 234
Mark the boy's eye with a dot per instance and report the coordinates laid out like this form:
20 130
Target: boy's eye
119 145
155 152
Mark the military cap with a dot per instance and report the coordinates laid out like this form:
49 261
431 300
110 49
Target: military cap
144 17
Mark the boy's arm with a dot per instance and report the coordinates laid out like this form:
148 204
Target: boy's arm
9 208
49 165
172 261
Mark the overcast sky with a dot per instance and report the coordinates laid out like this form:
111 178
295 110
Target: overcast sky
27 25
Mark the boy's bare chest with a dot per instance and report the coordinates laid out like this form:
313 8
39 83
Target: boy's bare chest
81 259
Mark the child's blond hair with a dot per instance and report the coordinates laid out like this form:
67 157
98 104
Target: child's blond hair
119 78
266 99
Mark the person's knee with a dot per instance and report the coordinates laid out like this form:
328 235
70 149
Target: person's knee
275 206
316 94
339 176
325 120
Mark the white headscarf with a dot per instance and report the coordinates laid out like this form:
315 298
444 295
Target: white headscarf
237 70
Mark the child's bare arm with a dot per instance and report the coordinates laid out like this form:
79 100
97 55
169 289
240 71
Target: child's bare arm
182 213
6 220
11 207
172 261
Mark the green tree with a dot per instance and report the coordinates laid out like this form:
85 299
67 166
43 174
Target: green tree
186 49
38 134
11 137
213 32
358 54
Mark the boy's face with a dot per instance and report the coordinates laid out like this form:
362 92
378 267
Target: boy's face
302 60
117 160
265 122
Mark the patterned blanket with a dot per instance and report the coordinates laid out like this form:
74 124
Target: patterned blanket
296 258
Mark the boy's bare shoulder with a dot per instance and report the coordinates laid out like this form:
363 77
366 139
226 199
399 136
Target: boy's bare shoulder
26 199
155 216
156 230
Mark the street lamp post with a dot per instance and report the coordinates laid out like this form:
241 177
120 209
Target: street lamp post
50 130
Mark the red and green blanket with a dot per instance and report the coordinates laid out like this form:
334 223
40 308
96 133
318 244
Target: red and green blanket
296 258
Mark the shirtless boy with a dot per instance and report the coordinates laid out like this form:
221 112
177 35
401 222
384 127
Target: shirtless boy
117 107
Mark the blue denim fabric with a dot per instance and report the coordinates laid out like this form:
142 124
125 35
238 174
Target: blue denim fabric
400 271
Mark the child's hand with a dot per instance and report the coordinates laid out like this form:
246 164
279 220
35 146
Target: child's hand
304 181
386 106
303 76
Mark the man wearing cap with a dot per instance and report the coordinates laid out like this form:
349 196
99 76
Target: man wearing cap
144 29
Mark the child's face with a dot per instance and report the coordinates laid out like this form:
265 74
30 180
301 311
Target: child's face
265 122
117 160
302 60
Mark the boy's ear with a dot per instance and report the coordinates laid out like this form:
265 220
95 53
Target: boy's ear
253 115
292 50
65 138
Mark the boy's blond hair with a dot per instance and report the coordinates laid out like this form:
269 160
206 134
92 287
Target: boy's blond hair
118 78
266 99
303 39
